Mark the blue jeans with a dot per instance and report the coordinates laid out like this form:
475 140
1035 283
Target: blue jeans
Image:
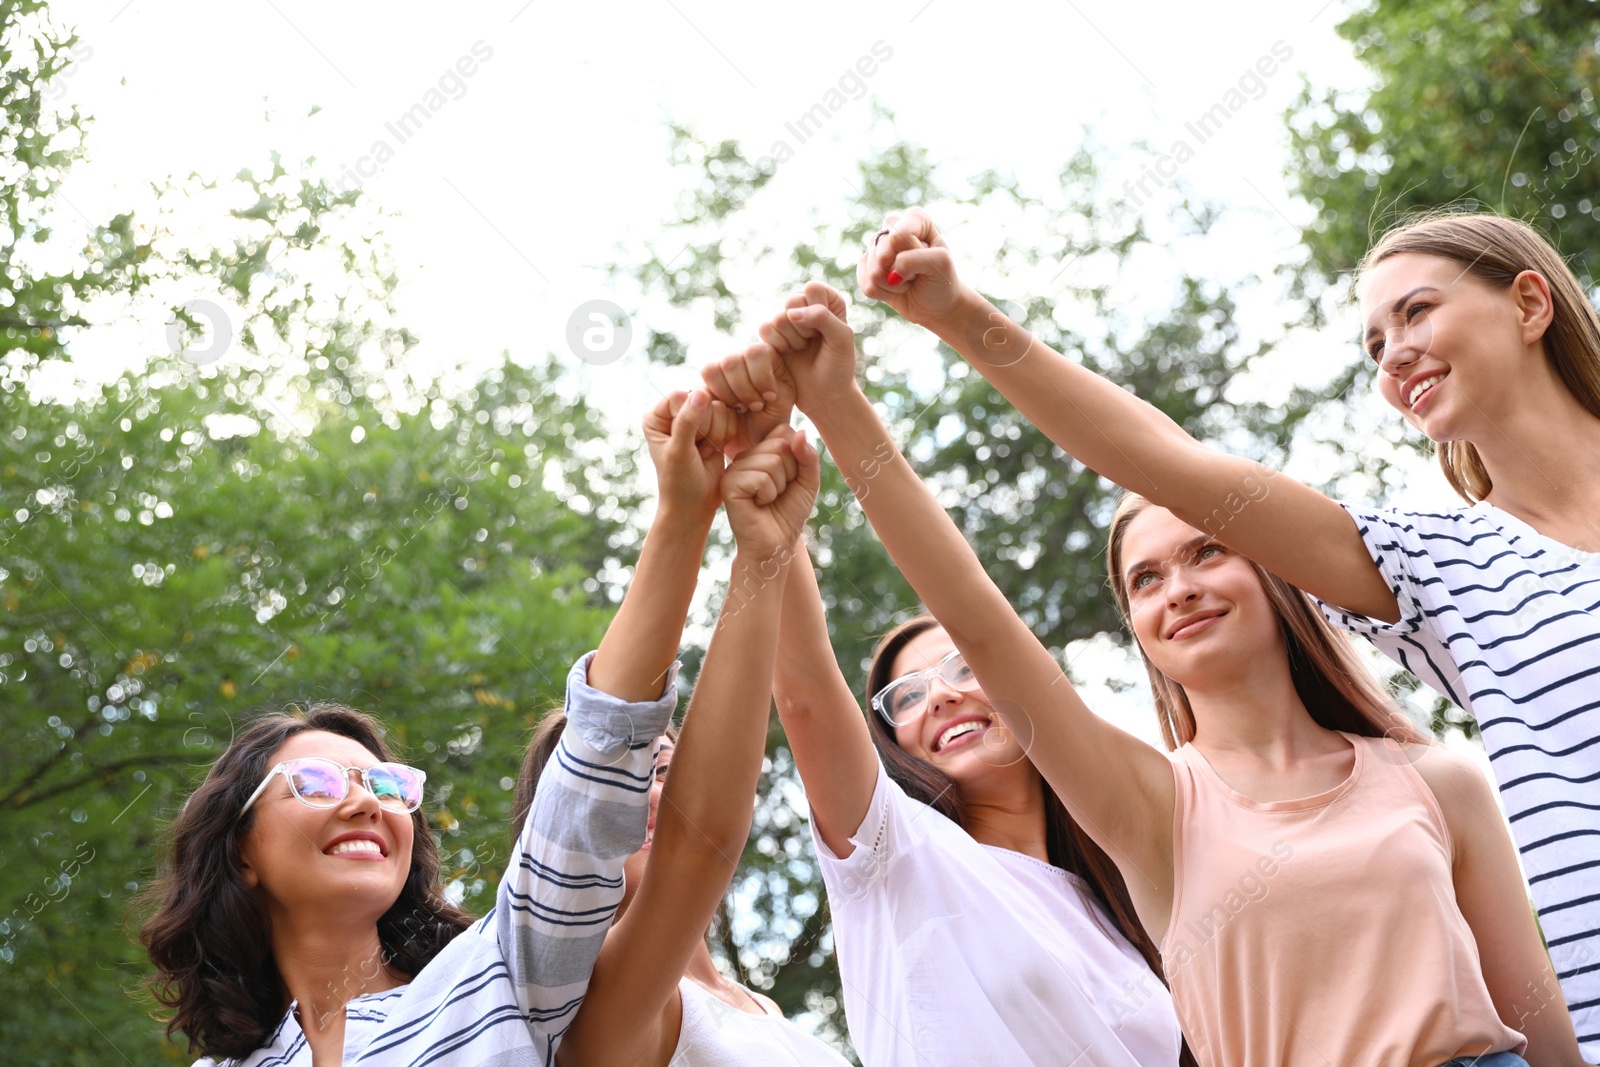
1490 1059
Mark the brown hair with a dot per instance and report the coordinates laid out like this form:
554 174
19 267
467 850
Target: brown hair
210 937
1335 686
1069 847
1496 249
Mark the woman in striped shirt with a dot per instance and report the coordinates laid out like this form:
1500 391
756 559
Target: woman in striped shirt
1485 342
301 920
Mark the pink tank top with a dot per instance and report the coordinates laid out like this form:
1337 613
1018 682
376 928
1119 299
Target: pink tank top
1322 930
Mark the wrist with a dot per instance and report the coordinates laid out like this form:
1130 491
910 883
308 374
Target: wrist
768 560
969 307
679 519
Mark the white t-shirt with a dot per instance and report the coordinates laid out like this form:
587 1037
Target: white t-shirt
953 952
1506 622
715 1034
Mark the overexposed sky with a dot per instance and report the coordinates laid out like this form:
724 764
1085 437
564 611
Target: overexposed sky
543 153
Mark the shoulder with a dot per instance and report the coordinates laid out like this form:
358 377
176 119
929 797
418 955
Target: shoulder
1465 797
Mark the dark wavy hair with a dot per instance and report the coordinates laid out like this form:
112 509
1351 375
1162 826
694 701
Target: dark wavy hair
210 937
1068 846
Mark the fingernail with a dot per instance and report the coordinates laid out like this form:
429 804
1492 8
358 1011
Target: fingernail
895 277
696 400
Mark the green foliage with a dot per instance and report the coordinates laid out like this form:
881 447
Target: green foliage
1488 105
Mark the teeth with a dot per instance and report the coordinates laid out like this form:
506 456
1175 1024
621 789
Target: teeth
1418 389
959 729
355 846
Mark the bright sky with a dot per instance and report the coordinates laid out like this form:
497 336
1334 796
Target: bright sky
542 156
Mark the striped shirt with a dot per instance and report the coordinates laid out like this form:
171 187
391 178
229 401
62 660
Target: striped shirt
506 989
1506 622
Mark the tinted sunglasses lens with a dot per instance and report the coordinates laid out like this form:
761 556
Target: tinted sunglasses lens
395 785
317 782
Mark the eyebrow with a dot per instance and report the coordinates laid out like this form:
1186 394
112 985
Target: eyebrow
1188 546
1394 309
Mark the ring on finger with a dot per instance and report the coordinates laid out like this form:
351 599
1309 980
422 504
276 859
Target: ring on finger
877 237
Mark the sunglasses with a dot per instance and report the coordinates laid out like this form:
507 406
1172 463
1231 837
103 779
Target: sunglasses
322 783
904 699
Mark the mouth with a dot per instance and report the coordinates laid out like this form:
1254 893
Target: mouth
1194 624
961 733
358 847
1419 390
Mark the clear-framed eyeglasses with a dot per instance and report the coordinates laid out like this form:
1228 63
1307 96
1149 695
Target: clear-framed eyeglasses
904 699
322 783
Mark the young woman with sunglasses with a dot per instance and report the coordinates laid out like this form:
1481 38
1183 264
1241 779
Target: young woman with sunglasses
973 920
1486 343
301 921
656 997
1327 887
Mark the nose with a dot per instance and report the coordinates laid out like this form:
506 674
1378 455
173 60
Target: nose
1181 586
1398 349
358 799
943 695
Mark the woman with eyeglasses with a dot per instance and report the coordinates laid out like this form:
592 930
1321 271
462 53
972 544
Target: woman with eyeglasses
1326 885
974 921
301 921
1483 341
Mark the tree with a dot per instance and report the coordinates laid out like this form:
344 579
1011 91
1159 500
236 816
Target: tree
298 520
1489 106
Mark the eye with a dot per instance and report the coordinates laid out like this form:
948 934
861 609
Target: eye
1205 552
1375 353
1411 312
1141 580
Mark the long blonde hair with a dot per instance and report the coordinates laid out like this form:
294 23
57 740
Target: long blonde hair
1495 249
1339 691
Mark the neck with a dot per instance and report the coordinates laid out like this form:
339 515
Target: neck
1540 452
1010 814
1254 711
322 967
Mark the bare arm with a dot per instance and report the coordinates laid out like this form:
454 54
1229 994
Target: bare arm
829 739
1494 901
632 1011
1118 787
1287 527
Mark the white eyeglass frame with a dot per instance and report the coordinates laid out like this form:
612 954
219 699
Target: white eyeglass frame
344 774
937 670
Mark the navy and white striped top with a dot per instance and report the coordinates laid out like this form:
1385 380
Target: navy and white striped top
1506 622
506 989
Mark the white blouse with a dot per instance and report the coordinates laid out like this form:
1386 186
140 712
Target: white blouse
954 952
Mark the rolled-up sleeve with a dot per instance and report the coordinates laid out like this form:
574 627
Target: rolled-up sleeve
564 882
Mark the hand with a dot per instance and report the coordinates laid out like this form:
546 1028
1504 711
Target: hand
815 352
683 433
756 385
910 269
770 491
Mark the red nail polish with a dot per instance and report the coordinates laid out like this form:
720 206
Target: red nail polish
895 277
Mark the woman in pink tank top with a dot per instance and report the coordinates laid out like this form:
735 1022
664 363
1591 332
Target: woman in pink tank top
1330 887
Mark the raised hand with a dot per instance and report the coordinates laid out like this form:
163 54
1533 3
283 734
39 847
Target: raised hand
813 355
755 386
910 269
770 490
685 433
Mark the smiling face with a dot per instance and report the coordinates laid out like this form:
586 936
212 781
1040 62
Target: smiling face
957 732
352 858
1443 341
1198 610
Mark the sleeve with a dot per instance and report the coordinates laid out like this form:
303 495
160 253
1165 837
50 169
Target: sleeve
564 881
1398 544
892 826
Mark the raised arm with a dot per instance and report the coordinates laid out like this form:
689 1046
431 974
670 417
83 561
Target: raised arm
1494 900
1287 527
827 735
564 880
632 1011
1119 788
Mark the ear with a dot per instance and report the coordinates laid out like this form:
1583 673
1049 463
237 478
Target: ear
1535 309
246 871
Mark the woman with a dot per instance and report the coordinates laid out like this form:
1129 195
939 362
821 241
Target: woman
656 998
1485 342
974 921
301 920
1392 928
